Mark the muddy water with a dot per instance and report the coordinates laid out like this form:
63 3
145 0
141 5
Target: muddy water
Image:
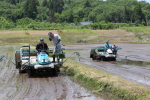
15 86
133 61
132 64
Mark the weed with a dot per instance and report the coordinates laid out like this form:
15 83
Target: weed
27 33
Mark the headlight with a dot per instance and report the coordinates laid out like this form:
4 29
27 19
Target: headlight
47 59
40 59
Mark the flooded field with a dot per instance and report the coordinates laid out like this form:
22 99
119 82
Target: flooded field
15 86
132 62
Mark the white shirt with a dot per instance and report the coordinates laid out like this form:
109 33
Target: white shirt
57 47
55 38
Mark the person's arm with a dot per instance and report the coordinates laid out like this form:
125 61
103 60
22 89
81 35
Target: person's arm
37 47
105 46
50 39
59 39
46 46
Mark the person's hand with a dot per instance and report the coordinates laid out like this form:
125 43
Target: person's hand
50 38
56 44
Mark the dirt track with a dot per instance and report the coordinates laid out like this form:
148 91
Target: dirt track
132 63
15 86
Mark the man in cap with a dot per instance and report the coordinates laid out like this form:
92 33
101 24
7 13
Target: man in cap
114 49
107 45
42 45
57 43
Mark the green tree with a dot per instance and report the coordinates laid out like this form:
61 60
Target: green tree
69 1
139 16
13 2
127 14
87 4
52 16
44 3
31 9
17 1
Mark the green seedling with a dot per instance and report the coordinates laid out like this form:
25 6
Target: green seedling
77 53
1 58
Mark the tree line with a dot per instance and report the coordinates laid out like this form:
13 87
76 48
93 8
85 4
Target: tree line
74 11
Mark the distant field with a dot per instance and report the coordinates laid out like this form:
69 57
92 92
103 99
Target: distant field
141 33
74 36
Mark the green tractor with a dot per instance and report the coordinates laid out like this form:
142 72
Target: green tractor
100 53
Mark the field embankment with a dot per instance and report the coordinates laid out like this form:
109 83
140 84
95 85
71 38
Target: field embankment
74 36
141 33
103 82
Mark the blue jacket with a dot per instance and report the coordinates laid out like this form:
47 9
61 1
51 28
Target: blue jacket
106 46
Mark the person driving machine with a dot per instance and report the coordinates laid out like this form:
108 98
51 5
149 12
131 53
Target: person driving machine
41 46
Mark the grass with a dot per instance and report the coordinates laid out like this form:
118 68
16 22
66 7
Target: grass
78 36
74 36
144 30
104 82
141 33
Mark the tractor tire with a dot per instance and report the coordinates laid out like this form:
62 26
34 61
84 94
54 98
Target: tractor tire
19 68
54 71
30 73
103 58
92 54
114 59
94 57
20 71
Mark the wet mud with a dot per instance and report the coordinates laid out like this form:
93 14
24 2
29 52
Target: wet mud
132 62
15 86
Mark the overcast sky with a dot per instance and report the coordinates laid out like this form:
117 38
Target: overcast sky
145 0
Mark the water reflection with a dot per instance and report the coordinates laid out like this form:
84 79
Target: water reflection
132 62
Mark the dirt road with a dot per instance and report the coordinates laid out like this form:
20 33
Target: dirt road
15 86
132 63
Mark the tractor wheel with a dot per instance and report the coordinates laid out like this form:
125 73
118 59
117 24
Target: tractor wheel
20 71
54 71
103 58
30 73
114 59
19 67
94 56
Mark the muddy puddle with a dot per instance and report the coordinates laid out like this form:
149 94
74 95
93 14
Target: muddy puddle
131 62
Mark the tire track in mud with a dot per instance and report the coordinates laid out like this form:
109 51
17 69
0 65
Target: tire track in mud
4 77
133 66
15 86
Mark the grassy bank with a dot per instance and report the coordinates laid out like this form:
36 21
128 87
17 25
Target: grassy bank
103 82
74 36
141 33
